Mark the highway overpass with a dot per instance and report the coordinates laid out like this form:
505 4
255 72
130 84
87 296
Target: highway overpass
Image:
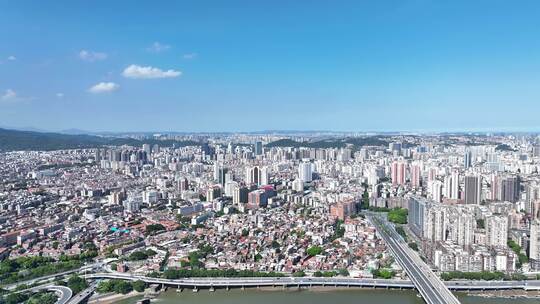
64 293
83 295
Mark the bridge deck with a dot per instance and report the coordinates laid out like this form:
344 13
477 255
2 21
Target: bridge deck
430 286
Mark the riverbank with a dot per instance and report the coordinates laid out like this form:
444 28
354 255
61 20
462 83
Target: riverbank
506 294
111 297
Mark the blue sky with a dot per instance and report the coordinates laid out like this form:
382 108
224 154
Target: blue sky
258 65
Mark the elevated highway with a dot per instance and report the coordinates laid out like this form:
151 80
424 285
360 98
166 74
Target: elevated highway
311 281
430 286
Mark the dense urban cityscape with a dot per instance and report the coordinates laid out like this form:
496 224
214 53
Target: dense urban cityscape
292 152
271 205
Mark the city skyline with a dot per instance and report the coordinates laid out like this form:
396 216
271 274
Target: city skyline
330 151
416 66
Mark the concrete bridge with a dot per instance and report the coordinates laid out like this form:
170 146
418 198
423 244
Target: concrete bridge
312 281
430 286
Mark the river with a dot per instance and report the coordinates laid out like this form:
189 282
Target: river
310 296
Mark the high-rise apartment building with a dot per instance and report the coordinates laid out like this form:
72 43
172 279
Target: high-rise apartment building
467 159
253 176
258 148
415 175
473 189
534 245
496 231
304 172
398 172
435 190
511 189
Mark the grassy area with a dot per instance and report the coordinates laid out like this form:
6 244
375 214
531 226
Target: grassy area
314 250
383 273
484 275
398 215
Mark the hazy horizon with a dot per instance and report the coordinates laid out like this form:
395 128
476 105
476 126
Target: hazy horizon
264 131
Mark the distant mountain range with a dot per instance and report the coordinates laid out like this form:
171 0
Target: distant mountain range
333 143
16 140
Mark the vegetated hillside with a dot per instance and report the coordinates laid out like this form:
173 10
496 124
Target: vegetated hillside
12 140
332 143
504 147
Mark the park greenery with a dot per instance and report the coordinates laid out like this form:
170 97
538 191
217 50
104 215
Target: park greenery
29 298
484 275
398 215
383 273
154 228
195 256
299 274
141 255
120 286
314 250
26 268
76 284
325 274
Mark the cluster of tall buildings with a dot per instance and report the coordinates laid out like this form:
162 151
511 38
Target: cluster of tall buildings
453 239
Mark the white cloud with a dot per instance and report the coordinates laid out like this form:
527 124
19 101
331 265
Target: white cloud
9 95
12 58
190 56
104 87
157 47
92 56
148 72
60 95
